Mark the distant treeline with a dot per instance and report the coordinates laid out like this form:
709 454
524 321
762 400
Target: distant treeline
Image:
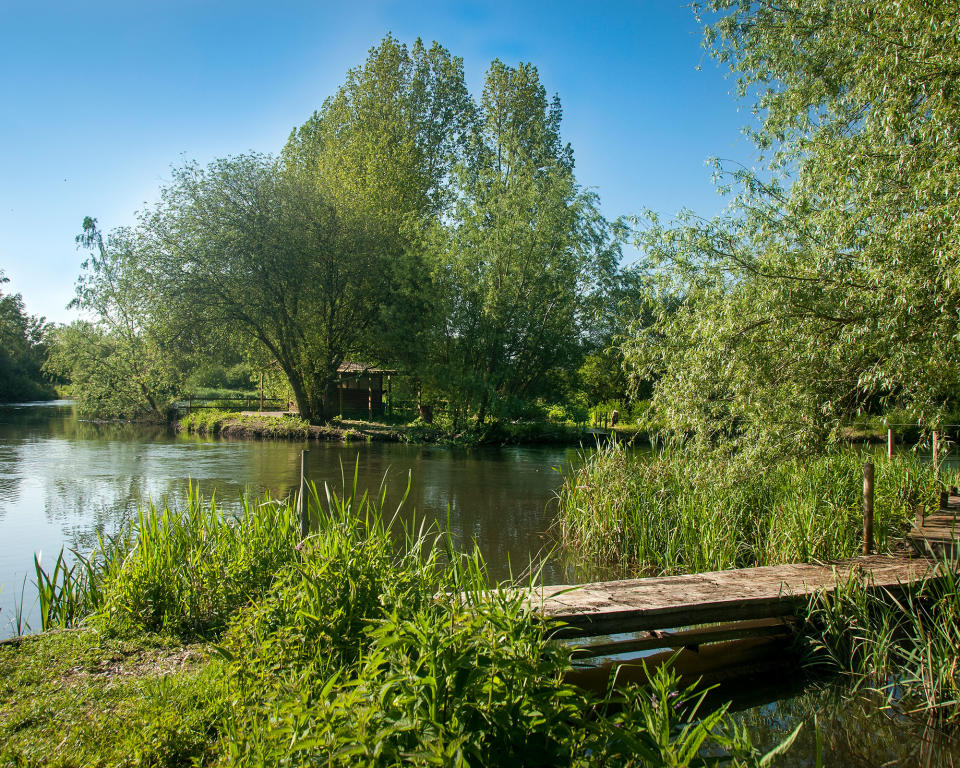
23 351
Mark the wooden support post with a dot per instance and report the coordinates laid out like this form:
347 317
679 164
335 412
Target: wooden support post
890 444
303 501
370 397
944 500
936 450
868 507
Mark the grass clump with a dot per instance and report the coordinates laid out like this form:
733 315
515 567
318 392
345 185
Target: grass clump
672 512
904 646
365 644
233 424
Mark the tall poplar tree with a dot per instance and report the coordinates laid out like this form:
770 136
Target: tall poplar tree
520 251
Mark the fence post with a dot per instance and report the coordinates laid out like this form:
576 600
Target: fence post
867 507
890 444
303 502
936 451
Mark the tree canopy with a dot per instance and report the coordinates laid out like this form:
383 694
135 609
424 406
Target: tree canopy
23 345
403 224
832 285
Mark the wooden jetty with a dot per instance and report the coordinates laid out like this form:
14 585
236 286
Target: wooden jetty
725 622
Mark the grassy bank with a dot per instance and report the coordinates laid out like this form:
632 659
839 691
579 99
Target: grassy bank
670 512
252 426
193 637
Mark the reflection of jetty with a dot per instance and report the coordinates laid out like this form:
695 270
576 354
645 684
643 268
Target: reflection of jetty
726 624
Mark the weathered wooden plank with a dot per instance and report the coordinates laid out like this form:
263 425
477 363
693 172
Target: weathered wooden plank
678 601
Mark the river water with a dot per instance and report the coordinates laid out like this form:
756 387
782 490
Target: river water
64 480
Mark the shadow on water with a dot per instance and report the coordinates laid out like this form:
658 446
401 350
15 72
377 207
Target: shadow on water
843 725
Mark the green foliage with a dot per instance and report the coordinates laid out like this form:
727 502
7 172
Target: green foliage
673 512
247 250
832 284
905 649
126 362
24 341
523 247
365 644
113 375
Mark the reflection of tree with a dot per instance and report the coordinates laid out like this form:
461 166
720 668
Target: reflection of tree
87 479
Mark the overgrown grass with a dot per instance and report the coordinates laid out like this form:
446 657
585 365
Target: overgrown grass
904 646
214 422
671 512
361 645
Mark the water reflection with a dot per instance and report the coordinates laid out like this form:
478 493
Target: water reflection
850 728
64 481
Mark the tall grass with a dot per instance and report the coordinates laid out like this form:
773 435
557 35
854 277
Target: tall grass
671 512
368 644
905 646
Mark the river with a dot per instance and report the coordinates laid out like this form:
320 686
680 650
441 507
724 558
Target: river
63 481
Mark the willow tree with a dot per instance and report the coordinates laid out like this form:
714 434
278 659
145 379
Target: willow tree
517 256
834 285
244 249
124 360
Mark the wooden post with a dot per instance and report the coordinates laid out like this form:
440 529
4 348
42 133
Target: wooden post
944 500
370 397
890 444
261 391
303 502
936 450
867 507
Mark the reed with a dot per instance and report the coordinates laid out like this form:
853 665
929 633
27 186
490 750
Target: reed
671 512
906 647
370 642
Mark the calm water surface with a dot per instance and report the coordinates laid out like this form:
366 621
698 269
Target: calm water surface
63 481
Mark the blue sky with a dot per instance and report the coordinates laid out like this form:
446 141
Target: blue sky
97 100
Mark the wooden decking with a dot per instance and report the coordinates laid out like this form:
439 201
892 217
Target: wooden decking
635 605
752 606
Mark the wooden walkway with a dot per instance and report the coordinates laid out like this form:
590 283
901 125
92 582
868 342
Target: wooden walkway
749 605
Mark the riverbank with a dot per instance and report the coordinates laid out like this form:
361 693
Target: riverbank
208 639
254 426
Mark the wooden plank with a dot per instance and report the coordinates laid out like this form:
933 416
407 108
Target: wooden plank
679 601
686 638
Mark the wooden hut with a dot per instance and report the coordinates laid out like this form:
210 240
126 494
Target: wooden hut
360 390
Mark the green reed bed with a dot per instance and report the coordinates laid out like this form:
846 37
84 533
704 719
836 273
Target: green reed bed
672 512
904 647
196 637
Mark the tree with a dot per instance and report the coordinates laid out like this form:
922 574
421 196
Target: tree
833 284
383 148
23 349
517 256
246 252
126 362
